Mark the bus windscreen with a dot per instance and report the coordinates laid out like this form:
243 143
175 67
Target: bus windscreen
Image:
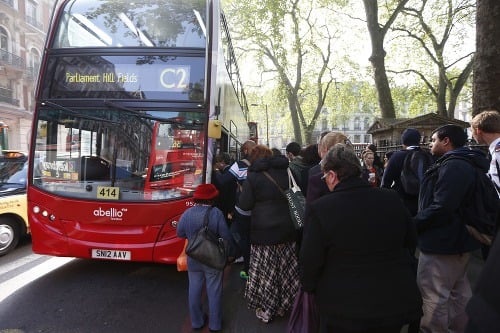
126 156
121 23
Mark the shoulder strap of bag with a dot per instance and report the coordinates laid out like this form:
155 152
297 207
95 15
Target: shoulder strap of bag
291 181
272 180
498 176
205 218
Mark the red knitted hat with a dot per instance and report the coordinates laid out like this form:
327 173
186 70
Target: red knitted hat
205 192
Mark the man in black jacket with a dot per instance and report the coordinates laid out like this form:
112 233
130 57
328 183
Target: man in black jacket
410 139
444 242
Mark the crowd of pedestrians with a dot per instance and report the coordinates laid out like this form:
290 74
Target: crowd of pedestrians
376 253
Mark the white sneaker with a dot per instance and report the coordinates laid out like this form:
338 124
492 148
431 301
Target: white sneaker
238 260
262 315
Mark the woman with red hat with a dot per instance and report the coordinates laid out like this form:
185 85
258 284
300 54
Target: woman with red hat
201 275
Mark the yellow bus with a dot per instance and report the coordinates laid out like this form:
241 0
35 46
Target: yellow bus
13 202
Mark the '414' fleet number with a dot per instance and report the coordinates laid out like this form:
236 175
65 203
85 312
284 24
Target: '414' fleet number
108 192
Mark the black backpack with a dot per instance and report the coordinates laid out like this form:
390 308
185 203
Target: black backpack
481 207
415 164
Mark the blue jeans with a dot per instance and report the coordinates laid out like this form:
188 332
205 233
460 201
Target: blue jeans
203 276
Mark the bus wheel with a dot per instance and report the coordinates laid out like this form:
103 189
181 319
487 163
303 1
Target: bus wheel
9 235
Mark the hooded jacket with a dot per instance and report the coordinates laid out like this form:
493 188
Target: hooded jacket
446 185
271 223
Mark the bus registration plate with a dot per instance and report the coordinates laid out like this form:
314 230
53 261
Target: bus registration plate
111 254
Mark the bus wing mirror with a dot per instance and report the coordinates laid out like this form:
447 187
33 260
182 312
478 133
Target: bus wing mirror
214 129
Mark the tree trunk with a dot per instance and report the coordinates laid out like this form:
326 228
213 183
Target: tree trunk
441 96
297 132
486 79
452 104
377 59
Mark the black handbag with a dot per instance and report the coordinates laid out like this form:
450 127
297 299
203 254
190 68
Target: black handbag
294 197
207 247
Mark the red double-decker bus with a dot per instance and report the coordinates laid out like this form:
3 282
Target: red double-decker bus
133 101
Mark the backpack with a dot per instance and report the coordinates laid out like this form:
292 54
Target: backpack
415 164
480 209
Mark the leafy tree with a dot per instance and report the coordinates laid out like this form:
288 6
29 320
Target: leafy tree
487 60
294 42
348 97
434 26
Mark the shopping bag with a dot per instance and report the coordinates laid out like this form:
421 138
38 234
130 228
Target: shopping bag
296 201
294 197
182 259
305 314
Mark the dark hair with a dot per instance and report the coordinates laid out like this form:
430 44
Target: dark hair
222 157
343 161
454 133
310 154
411 137
276 152
294 148
372 147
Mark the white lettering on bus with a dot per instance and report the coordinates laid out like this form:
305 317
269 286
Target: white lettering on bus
179 78
113 213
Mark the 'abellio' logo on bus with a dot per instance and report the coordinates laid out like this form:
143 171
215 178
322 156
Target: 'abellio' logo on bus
113 213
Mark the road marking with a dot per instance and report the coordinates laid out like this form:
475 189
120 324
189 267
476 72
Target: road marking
10 286
10 266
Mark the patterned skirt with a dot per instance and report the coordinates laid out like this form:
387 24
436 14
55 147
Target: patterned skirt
273 278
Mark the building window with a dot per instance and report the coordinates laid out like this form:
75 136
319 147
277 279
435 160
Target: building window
4 39
357 124
32 14
35 60
324 124
4 44
367 123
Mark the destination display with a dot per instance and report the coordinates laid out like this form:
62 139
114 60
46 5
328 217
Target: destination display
137 77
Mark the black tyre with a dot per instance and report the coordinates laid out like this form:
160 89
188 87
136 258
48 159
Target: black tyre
9 235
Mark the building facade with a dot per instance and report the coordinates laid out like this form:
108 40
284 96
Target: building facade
23 29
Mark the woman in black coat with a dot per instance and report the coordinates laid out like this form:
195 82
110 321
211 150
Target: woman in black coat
273 275
354 255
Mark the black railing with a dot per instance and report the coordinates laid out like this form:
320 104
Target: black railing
34 22
31 73
8 2
12 59
9 100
